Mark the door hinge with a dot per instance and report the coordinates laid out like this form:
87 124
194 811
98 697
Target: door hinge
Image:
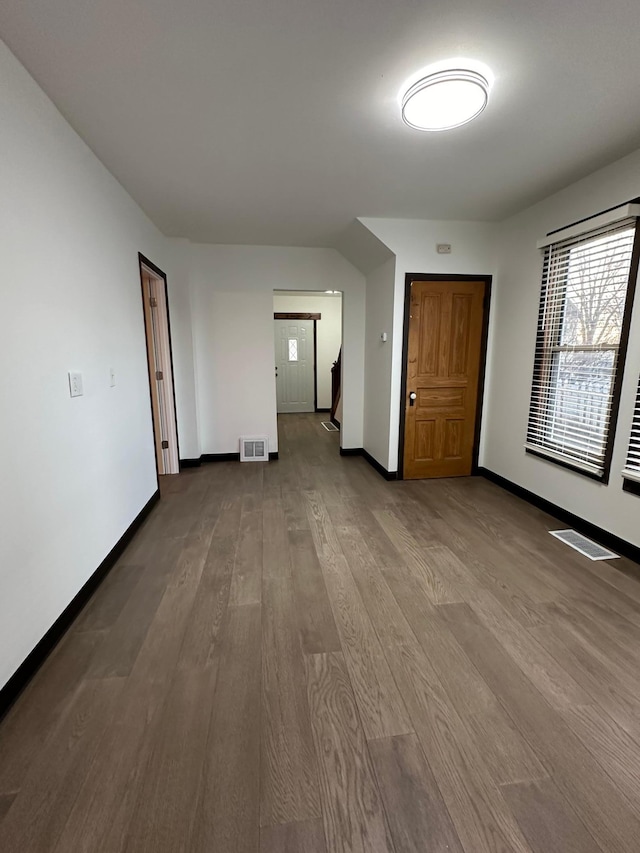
159 374
153 302
165 445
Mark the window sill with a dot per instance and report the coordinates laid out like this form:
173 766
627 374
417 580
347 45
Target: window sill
630 486
602 478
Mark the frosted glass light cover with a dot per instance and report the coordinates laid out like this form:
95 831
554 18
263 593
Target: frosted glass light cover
445 100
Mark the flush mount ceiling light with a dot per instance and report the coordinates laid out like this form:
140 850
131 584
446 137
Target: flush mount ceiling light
445 99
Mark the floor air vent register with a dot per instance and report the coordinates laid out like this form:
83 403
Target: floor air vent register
585 546
254 448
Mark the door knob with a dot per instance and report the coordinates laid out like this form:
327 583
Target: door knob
412 398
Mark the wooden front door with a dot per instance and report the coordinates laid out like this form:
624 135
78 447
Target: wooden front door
443 367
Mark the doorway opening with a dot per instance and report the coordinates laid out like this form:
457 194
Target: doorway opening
160 363
307 348
444 354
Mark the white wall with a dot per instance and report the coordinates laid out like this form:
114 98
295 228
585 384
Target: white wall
328 333
75 472
232 301
378 361
515 308
182 350
413 242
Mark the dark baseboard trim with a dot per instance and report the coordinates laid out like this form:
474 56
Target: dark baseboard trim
322 410
218 457
190 463
604 537
360 451
388 475
28 668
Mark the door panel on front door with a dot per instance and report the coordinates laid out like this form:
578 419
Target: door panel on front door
295 387
443 367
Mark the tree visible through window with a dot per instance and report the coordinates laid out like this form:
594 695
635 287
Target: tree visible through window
585 288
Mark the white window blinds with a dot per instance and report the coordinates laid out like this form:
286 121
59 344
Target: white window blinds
632 468
585 283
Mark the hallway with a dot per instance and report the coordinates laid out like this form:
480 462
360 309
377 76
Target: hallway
300 657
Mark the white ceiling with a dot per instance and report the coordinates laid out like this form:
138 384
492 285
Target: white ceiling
276 121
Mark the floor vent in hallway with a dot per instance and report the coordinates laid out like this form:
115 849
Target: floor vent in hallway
586 546
329 426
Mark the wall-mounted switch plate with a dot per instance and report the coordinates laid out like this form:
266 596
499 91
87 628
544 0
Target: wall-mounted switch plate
443 248
75 384
383 336
112 377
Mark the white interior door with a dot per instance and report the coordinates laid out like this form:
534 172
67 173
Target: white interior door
294 365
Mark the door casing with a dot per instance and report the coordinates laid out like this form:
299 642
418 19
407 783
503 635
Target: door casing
145 262
410 277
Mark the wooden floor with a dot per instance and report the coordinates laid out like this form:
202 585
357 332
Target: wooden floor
299 657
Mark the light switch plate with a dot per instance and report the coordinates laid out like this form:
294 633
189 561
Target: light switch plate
75 384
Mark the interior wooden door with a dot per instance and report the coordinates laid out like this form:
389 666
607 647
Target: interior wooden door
443 368
156 318
147 299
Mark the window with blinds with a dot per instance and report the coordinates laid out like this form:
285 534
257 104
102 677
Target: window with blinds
583 312
632 468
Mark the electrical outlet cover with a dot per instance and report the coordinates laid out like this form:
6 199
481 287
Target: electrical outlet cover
75 384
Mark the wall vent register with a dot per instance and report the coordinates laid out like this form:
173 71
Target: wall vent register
254 448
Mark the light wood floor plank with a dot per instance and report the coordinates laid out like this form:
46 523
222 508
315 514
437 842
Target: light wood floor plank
246 581
6 801
548 822
228 811
25 730
414 805
506 753
57 776
306 837
163 814
318 632
615 750
439 585
289 775
354 819
102 610
593 797
380 704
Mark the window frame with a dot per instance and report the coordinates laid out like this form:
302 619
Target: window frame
545 365
631 476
